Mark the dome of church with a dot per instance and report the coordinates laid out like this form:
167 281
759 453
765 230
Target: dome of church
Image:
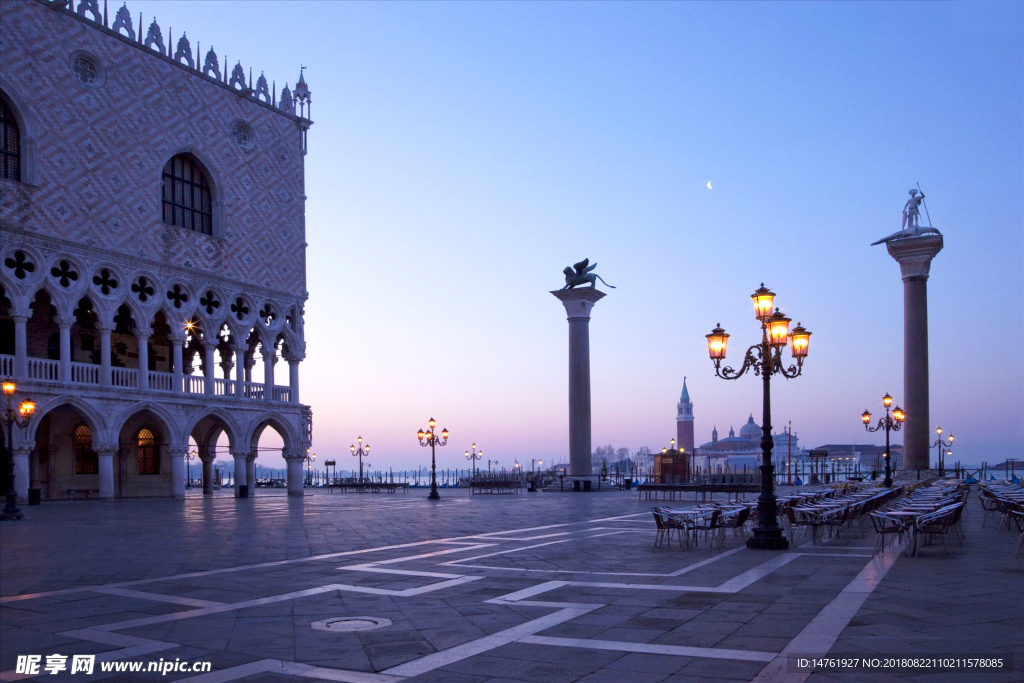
750 430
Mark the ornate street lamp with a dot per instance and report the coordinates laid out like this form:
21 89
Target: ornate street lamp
765 359
889 423
21 417
943 445
473 457
189 457
310 459
361 453
489 461
429 438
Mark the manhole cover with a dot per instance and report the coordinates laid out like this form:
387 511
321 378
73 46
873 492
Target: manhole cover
348 624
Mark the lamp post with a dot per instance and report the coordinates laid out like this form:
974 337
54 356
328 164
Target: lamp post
765 359
473 457
310 459
429 438
189 457
890 423
361 453
943 445
11 417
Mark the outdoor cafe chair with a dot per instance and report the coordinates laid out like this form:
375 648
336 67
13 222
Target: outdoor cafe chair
803 521
887 527
1018 518
935 524
711 526
666 525
738 522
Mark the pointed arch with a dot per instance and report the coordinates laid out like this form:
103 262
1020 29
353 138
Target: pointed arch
228 425
281 425
190 197
172 434
97 425
27 132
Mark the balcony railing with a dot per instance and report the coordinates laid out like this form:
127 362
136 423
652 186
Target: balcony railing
85 373
44 370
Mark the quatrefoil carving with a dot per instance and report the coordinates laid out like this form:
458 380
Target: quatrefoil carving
20 264
210 302
105 281
64 273
143 288
177 296
239 308
268 315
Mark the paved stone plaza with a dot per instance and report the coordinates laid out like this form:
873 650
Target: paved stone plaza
534 587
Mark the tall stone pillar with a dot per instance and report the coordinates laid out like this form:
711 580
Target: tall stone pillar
208 372
250 472
296 485
207 460
915 254
105 331
64 330
293 378
21 470
239 471
143 341
578 304
105 458
177 471
20 317
177 360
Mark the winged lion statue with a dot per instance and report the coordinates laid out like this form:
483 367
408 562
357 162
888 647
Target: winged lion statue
581 273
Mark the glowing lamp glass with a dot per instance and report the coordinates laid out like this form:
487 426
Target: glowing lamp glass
718 340
950 437
763 300
419 435
444 433
898 414
866 416
432 423
9 387
352 448
799 341
887 400
778 329
27 408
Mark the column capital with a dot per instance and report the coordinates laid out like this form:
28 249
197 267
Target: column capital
578 302
144 334
915 254
65 321
177 451
20 315
21 450
105 449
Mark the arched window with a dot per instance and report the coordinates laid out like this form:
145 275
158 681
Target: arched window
187 202
148 452
86 460
10 144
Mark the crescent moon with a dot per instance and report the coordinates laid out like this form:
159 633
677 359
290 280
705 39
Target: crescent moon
709 185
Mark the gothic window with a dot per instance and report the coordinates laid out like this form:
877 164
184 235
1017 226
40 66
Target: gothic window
85 70
187 200
86 460
10 144
148 452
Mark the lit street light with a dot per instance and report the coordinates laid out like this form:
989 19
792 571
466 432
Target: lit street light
473 457
189 457
310 459
428 438
889 423
765 359
21 417
361 453
943 445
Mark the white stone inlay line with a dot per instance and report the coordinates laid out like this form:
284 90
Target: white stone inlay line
158 597
820 635
651 649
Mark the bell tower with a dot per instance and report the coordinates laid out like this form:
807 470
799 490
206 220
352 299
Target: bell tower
684 421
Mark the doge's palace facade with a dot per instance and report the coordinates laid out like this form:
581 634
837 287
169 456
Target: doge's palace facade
152 253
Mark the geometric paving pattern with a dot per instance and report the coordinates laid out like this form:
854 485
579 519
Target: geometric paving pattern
538 587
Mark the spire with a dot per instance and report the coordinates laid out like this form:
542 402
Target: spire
685 396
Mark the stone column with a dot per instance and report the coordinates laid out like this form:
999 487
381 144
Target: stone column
268 374
106 471
177 471
177 359
143 340
293 378
20 317
239 470
21 474
915 254
296 485
240 371
250 473
578 304
208 372
105 331
207 461
64 327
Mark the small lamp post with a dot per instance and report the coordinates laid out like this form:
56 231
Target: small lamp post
765 359
429 438
361 453
890 423
473 457
943 445
189 457
21 417
310 459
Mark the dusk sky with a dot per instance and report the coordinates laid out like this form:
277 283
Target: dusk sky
464 153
